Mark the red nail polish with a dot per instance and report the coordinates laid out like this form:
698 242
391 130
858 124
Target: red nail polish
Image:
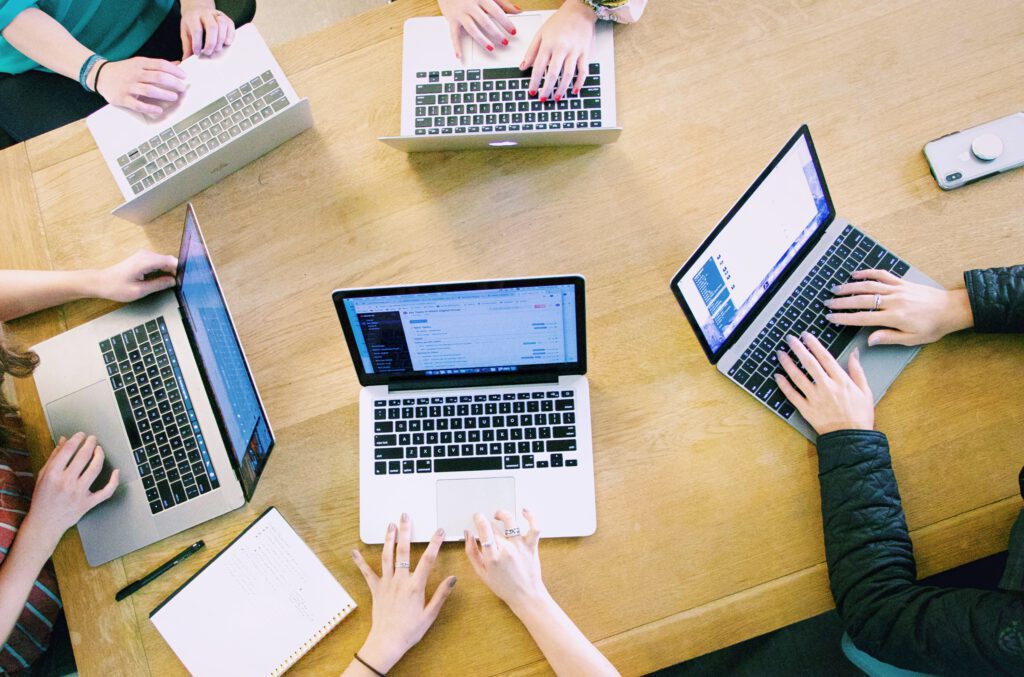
490 48
543 99
504 41
514 28
558 98
533 92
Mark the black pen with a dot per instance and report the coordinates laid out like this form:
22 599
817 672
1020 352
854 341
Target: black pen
159 571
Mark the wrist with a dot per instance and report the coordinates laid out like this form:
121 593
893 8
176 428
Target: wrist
582 9
382 654
89 284
959 315
528 606
37 540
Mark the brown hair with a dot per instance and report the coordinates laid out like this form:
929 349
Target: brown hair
17 364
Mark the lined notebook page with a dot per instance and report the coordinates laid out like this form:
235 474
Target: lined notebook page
256 608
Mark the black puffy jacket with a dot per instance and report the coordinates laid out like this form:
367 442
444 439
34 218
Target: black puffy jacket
870 559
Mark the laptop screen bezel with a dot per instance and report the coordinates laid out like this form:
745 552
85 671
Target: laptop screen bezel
533 373
715 355
247 491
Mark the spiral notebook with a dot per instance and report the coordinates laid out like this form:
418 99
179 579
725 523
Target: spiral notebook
256 608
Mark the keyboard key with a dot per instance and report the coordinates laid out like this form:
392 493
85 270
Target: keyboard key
467 464
561 445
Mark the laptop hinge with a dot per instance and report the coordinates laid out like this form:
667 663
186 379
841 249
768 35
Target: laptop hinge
438 384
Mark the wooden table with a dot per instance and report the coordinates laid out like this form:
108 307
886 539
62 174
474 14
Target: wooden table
709 525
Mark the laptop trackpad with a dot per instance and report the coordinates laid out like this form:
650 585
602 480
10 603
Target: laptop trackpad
92 411
457 500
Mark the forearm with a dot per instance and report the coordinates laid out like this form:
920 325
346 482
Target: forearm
567 649
18 574
41 38
25 291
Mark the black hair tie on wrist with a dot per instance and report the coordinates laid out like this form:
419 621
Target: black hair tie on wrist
96 80
369 667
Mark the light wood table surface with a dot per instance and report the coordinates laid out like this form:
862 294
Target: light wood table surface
709 526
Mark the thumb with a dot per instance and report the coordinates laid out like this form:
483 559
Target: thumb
107 491
888 337
857 371
441 595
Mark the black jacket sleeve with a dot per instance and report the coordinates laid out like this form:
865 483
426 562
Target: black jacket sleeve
873 576
997 298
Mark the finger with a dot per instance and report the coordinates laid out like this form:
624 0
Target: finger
497 14
533 535
186 43
474 32
212 31
152 286
455 31
429 556
856 370
387 555
65 450
877 275
490 28
890 337
509 6
165 66
150 262
555 65
859 302
824 358
581 73
142 107
92 471
473 554
506 518
152 92
440 596
402 553
82 457
224 27
528 58
368 573
798 378
162 79
869 318
791 393
195 31
229 30
107 491
488 543
807 361
865 287
568 71
539 63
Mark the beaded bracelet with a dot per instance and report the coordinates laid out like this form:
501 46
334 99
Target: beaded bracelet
84 72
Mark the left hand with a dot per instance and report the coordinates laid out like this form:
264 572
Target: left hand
830 399
401 614
126 281
204 29
561 48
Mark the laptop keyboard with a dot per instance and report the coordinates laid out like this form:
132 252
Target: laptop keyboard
204 131
170 453
492 100
507 431
804 311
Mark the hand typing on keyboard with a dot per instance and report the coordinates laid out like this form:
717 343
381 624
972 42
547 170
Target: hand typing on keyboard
142 85
561 50
485 21
912 314
828 397
141 274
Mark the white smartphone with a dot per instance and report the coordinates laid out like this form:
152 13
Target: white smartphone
960 158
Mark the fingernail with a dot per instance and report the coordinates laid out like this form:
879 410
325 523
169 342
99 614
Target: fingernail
790 338
490 48
391 527
405 517
805 335
827 303
513 28
504 41
872 341
452 583
780 353
533 92
355 553
522 66
830 317
558 97
856 351
543 99
439 532
834 289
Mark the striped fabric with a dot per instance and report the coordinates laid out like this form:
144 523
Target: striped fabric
31 634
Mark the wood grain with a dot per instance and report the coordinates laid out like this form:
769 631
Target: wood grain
708 507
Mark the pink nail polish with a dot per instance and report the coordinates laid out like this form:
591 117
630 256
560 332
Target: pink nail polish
490 48
504 41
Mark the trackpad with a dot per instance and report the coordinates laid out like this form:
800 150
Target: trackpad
457 500
92 411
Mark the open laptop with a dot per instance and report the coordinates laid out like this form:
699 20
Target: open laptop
164 386
474 398
483 99
239 105
765 270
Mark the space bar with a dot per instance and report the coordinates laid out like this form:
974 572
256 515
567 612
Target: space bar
128 419
460 464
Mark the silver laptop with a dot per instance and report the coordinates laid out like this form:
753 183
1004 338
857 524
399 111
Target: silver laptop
764 272
239 106
483 100
474 398
164 386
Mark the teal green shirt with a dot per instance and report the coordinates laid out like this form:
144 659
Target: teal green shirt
114 29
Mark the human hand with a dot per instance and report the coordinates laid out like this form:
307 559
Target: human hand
509 566
830 399
400 615
914 313
204 29
126 281
561 48
139 84
62 494
485 21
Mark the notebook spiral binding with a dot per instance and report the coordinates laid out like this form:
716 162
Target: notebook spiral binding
311 642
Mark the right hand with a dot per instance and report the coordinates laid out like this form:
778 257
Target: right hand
510 567
914 314
401 616
485 21
140 84
62 495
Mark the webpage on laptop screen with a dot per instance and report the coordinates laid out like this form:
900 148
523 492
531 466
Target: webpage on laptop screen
465 332
756 245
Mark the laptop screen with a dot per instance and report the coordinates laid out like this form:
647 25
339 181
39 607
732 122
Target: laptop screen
777 220
486 329
243 421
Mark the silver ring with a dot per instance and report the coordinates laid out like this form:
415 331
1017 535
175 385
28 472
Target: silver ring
487 544
401 565
514 531
878 302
